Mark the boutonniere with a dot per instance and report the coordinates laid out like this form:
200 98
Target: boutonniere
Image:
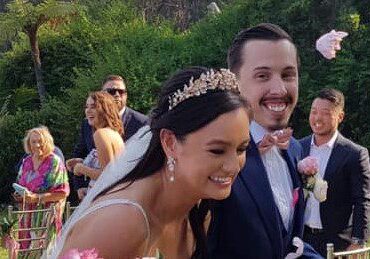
308 168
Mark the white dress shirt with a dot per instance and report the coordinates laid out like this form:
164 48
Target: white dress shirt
322 153
278 175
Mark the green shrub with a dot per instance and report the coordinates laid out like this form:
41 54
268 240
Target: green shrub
111 38
12 130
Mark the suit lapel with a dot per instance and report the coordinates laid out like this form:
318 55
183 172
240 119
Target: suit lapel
289 158
337 155
306 145
296 227
255 179
126 116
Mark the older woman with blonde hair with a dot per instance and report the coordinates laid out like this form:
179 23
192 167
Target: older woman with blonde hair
45 177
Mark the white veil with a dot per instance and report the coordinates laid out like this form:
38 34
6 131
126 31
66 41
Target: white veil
134 150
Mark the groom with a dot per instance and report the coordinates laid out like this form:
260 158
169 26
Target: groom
265 209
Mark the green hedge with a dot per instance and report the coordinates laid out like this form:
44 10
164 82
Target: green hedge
116 41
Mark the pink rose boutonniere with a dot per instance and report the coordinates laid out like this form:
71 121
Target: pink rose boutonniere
329 43
309 167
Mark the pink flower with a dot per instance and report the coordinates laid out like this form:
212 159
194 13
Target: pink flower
85 254
308 166
329 43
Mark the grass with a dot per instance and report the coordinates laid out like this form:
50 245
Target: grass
3 253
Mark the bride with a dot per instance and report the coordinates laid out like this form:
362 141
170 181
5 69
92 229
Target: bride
159 187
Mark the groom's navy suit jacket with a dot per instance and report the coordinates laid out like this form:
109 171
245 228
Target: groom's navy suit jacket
132 121
248 223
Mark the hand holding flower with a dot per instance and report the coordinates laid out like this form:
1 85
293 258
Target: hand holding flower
309 167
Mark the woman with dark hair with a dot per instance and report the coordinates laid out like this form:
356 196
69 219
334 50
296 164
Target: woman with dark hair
102 115
192 151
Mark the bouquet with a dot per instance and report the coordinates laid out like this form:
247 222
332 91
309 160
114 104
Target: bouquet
93 254
85 254
309 167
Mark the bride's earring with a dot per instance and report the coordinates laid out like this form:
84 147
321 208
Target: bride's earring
171 168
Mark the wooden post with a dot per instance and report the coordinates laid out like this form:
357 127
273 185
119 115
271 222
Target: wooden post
68 210
330 251
10 212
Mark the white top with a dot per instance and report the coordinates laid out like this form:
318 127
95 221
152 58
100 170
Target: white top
278 175
322 153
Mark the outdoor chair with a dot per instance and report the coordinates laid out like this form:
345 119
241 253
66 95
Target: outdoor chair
363 253
68 210
40 223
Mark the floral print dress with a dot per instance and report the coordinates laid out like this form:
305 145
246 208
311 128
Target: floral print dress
51 176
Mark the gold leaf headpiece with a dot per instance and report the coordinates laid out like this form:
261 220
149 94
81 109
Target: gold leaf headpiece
223 79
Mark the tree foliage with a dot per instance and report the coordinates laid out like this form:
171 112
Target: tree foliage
27 17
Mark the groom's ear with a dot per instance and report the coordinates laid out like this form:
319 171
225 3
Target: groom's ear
168 142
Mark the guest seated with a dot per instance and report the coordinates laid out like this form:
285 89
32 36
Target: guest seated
192 150
103 116
45 176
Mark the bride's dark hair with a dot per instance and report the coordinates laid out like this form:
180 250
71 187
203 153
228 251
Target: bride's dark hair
187 117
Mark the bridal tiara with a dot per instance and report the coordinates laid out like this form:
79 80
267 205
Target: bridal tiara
223 79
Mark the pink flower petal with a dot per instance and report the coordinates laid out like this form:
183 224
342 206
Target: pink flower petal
329 43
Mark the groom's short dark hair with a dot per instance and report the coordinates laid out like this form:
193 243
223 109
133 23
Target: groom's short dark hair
262 31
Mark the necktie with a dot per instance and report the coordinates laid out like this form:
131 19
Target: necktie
279 138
